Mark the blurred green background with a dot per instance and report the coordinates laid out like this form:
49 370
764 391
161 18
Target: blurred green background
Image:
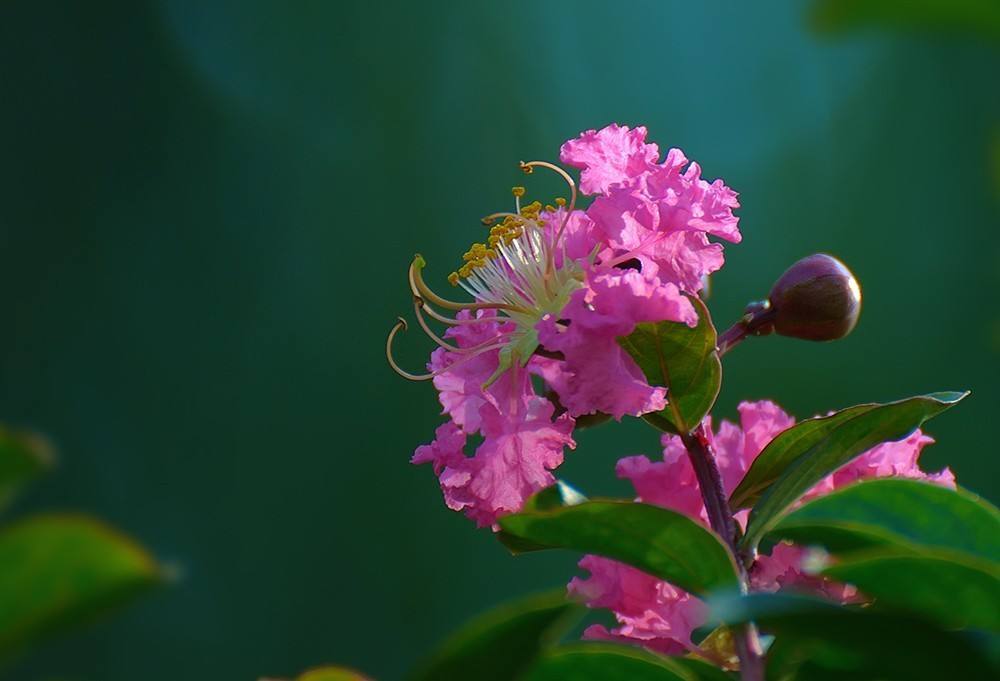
207 209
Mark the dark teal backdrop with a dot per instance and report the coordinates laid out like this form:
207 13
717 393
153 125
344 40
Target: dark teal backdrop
207 209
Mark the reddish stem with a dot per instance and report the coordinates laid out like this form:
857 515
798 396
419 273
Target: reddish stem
720 517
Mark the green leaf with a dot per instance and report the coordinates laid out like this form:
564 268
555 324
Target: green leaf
331 674
555 496
785 448
819 640
684 361
957 593
23 457
503 643
838 445
977 16
610 662
663 543
892 512
57 571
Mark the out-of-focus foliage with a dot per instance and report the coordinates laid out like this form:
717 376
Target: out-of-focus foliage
328 674
966 16
816 640
23 457
58 571
503 643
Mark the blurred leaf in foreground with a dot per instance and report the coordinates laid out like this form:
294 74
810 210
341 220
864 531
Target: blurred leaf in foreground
973 16
57 571
501 644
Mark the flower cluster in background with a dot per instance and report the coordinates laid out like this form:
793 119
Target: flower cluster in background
662 617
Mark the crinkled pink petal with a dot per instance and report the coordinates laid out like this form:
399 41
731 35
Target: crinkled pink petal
609 156
601 377
445 450
670 483
460 389
897 459
614 302
521 442
663 646
578 237
684 258
761 422
684 200
663 217
514 461
453 468
648 610
516 457
784 569
626 219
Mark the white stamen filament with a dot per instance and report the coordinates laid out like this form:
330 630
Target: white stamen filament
515 276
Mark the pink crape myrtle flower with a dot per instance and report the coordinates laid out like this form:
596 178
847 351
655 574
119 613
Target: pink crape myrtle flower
515 459
553 288
658 616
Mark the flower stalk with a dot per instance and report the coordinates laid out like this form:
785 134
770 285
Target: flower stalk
720 517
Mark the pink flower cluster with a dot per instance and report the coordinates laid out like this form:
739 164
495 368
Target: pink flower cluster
572 282
661 617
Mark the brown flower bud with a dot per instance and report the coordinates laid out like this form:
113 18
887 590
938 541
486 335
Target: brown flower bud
817 298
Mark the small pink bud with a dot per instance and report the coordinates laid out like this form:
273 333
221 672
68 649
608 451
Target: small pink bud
817 298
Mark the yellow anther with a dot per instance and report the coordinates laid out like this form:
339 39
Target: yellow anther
531 210
517 191
550 208
491 253
494 240
464 271
560 202
526 168
453 278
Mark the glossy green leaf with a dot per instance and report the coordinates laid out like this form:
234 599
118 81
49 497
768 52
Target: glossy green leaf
59 570
554 496
892 512
656 540
23 456
503 643
610 662
784 449
819 640
684 361
840 444
957 592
